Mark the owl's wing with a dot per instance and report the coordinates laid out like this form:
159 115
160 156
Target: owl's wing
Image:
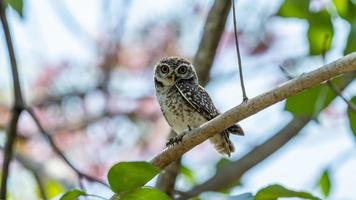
199 99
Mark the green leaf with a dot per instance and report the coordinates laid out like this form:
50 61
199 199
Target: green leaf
294 8
188 174
320 32
72 195
351 40
346 9
310 102
352 116
17 5
53 188
143 194
221 163
126 176
273 192
325 183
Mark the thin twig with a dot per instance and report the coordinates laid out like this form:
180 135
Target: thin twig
59 152
244 95
17 107
31 166
338 92
331 85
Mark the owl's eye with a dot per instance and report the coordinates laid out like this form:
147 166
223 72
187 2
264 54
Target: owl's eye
164 69
183 69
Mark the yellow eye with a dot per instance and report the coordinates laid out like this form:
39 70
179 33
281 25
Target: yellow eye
183 69
164 69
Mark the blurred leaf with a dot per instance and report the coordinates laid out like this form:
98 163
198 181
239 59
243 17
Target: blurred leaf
72 195
53 188
294 8
143 193
351 40
325 183
126 176
346 9
245 196
17 5
273 192
195 198
310 102
188 174
320 32
352 116
221 163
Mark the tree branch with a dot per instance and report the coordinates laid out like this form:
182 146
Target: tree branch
213 29
59 152
167 179
232 172
305 81
17 107
337 91
34 169
226 176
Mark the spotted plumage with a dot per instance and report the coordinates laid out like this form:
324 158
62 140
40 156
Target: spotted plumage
185 104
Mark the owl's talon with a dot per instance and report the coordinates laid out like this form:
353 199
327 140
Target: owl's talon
175 140
189 128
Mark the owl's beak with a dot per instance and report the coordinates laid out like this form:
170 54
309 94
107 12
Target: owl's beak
173 78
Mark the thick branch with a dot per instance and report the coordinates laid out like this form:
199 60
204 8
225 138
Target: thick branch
344 65
167 179
232 172
213 29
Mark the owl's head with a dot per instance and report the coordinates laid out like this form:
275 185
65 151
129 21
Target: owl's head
173 69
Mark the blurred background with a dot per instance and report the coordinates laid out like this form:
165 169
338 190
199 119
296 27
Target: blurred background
86 67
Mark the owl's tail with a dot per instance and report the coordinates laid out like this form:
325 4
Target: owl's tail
222 142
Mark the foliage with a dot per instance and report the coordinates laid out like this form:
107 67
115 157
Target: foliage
273 192
320 31
346 9
352 116
143 193
17 5
325 183
127 178
188 174
53 188
72 195
317 98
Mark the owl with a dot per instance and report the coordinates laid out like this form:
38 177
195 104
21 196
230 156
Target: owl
185 104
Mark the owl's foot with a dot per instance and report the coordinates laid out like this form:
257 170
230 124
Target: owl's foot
175 140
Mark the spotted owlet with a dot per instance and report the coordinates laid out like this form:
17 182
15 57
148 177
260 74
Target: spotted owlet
185 104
